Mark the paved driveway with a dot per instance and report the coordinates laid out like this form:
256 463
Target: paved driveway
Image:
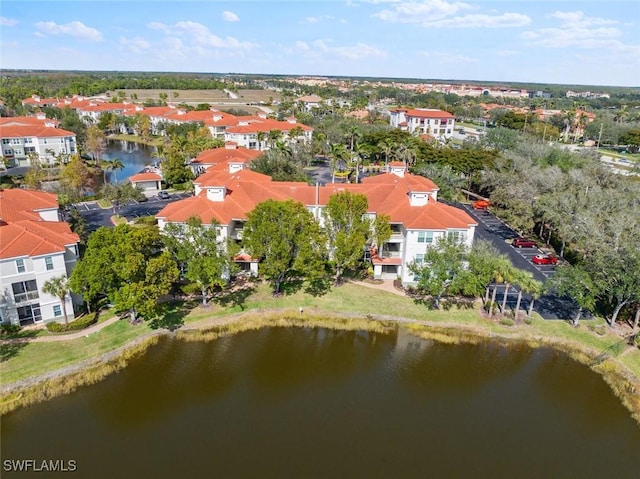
97 217
496 232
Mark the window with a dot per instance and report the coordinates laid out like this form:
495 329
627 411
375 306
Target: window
25 290
48 261
20 266
57 310
5 141
29 314
458 236
425 237
419 259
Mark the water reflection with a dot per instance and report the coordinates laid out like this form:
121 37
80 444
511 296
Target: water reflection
134 156
321 403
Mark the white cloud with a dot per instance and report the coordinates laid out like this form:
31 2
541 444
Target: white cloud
7 22
324 48
228 16
415 12
198 36
135 45
506 20
576 30
506 53
442 14
446 57
74 29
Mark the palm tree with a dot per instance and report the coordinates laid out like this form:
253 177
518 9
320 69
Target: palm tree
274 136
260 136
116 164
58 286
338 153
526 284
386 146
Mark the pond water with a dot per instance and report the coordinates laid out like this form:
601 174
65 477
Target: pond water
306 403
134 156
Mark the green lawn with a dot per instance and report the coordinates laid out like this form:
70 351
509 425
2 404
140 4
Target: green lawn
26 360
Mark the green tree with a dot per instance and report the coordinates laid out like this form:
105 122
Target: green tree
175 169
204 259
441 269
76 179
287 239
575 282
128 266
58 286
347 229
95 143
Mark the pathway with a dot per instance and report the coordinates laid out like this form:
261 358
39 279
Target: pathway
386 285
63 337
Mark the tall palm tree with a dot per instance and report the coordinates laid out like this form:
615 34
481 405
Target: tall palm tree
58 286
338 153
260 136
386 146
116 164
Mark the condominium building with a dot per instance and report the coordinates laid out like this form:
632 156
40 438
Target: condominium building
35 246
226 192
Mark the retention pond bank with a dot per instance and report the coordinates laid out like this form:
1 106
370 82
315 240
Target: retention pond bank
319 402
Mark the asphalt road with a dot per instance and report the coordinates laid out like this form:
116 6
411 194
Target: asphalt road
494 231
97 217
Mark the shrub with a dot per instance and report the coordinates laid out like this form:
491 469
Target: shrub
146 220
8 329
80 323
507 322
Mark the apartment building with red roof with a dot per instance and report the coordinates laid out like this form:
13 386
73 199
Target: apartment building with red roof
35 246
226 192
23 140
230 153
437 123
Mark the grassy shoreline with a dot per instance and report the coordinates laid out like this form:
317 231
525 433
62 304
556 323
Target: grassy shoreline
39 371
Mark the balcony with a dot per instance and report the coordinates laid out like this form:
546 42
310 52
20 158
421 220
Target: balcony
24 297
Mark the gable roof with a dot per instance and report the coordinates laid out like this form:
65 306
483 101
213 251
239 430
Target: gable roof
386 194
23 232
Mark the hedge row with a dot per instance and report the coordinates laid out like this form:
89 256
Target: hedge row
78 324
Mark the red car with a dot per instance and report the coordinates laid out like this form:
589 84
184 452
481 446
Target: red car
524 243
480 204
544 259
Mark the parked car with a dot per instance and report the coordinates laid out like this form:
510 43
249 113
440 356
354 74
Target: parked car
480 204
163 195
544 259
523 243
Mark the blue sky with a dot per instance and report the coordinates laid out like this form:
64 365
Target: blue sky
570 42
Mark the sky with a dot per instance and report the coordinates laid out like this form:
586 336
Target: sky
583 42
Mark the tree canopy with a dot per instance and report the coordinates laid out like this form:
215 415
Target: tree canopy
287 239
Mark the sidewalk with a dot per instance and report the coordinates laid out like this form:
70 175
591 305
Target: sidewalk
63 337
386 285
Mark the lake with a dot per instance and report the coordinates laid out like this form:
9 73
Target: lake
307 403
134 156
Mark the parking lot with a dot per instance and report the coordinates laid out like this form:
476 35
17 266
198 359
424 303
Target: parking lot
97 216
500 235
493 229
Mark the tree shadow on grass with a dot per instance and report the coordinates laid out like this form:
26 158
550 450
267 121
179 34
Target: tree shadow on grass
172 315
15 342
318 287
291 286
235 296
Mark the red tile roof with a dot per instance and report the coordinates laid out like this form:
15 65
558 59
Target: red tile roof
23 232
387 194
220 155
424 113
32 131
147 176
